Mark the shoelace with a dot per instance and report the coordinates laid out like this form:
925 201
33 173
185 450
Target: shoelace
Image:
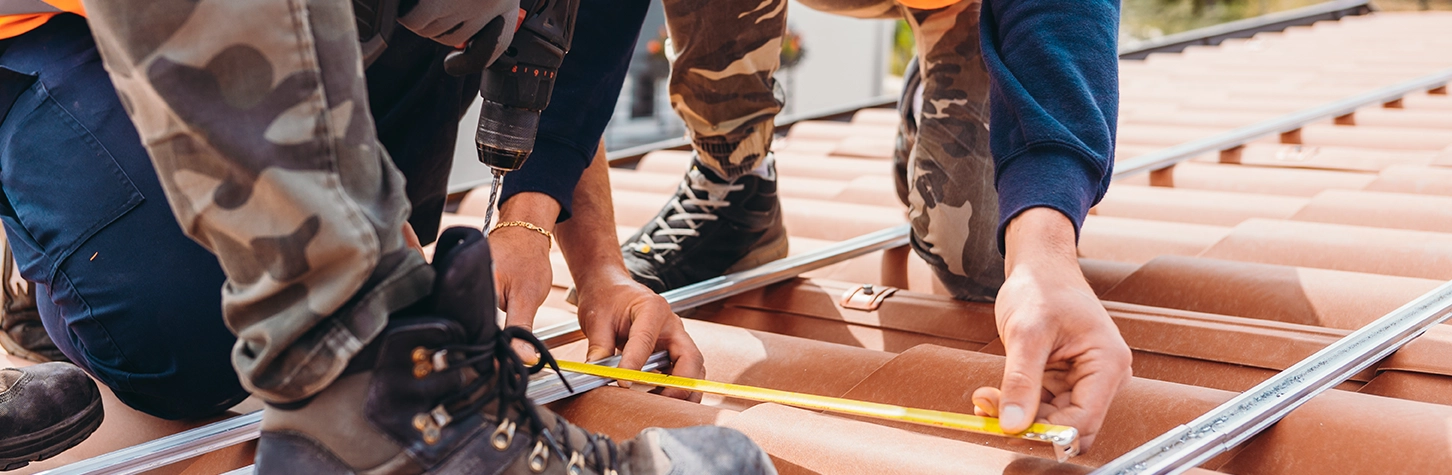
690 221
511 388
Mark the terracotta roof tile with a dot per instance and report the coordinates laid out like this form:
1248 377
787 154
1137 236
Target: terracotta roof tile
1231 273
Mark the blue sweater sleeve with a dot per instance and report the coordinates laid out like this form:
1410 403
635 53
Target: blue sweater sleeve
1054 69
582 102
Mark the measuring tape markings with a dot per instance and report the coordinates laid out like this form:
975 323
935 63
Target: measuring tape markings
1064 438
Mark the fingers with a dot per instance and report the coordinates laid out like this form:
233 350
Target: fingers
647 319
1089 401
519 312
600 333
985 401
686 359
410 239
1022 388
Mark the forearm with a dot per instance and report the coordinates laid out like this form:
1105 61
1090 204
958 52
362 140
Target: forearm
588 239
1054 103
583 101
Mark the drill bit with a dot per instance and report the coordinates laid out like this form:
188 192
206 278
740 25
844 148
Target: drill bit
493 198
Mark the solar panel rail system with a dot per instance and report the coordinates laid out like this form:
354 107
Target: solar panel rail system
1256 409
1406 322
218 435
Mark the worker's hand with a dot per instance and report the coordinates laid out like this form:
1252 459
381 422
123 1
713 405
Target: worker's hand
522 272
522 275
456 22
410 239
617 312
1066 359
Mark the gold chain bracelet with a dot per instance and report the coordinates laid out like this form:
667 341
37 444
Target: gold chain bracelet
526 225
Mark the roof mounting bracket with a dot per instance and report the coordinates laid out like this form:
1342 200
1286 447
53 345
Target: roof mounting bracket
866 297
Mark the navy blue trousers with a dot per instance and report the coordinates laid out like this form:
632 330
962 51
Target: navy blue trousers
123 292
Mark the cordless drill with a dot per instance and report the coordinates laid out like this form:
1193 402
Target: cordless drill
514 89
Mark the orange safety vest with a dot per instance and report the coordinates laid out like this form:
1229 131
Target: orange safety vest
20 16
926 4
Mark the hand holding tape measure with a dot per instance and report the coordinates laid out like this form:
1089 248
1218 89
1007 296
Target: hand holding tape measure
1064 438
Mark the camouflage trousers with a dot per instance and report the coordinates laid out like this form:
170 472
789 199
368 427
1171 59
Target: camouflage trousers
256 117
725 52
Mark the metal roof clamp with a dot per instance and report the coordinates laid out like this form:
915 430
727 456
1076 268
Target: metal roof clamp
866 297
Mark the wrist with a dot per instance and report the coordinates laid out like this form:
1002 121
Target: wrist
531 207
1041 239
527 214
600 275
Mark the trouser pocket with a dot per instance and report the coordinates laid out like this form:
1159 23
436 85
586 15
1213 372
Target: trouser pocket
60 187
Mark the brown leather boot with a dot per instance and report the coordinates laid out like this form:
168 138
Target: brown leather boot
21 333
441 391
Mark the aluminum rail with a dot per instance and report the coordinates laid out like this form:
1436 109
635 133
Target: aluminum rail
184 445
544 388
1241 418
1255 410
783 123
786 268
1214 35
1238 137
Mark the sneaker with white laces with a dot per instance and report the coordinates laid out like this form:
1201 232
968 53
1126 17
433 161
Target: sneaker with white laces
712 226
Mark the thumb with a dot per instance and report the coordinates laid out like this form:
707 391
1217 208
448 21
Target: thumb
1022 388
521 314
601 338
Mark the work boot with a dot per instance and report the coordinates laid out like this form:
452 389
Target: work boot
21 333
440 391
44 410
712 226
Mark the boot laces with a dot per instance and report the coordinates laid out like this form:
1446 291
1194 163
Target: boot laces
684 222
511 388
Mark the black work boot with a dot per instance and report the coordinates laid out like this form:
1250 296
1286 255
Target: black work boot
440 391
21 333
712 226
44 410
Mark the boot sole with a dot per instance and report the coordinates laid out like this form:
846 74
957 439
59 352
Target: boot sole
776 249
66 435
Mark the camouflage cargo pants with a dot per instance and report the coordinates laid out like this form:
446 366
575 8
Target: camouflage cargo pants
255 114
725 52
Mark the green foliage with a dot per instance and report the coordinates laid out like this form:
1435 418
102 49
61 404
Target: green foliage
1145 19
902 48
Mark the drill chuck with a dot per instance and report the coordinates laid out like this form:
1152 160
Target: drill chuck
506 135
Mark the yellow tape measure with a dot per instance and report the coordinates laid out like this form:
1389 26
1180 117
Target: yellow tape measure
1064 438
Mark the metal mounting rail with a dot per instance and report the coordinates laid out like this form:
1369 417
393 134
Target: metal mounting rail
188 444
1214 35
544 388
218 435
1241 418
1228 140
1255 410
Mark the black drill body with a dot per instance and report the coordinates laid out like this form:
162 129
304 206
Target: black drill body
517 87
514 89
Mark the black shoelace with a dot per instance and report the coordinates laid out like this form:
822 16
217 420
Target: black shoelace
511 388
